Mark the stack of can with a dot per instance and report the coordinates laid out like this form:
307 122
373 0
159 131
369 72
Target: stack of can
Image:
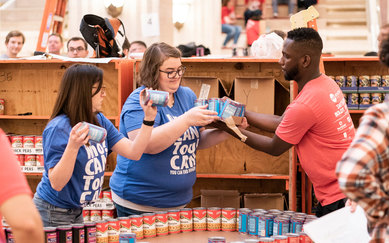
224 107
27 142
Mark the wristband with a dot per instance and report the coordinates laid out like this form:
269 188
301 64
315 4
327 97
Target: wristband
148 123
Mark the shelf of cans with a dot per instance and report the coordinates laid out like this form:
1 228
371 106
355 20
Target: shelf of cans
29 151
361 92
224 107
270 225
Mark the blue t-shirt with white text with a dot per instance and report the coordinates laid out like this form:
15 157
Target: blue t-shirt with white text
160 180
85 184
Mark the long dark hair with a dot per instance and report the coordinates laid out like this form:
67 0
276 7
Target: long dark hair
75 93
153 59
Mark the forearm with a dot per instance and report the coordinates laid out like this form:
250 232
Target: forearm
61 173
264 122
24 219
165 135
258 142
211 137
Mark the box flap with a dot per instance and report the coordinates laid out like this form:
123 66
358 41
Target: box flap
194 83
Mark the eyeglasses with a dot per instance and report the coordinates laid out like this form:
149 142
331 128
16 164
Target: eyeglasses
102 90
172 74
78 49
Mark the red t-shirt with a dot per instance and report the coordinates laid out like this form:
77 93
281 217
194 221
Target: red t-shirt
318 123
226 12
252 31
12 180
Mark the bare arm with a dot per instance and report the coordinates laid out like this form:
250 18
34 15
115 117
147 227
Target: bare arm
274 146
211 137
165 135
264 122
61 173
23 217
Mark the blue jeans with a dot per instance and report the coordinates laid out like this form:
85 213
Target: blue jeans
53 216
290 5
124 212
232 31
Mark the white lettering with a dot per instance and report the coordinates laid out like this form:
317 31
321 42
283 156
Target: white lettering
177 144
83 196
184 163
96 184
183 149
91 151
87 182
173 162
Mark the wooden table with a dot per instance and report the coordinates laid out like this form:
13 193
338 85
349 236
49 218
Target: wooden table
198 237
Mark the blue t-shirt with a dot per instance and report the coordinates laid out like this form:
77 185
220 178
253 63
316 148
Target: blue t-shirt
160 180
88 176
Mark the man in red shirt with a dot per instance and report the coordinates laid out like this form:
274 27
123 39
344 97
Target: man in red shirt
16 203
317 122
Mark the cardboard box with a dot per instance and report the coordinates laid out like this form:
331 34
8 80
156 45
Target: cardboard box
194 83
264 200
257 93
220 198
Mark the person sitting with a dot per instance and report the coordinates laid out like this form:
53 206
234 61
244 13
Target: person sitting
228 21
136 49
77 48
275 6
254 8
14 42
55 43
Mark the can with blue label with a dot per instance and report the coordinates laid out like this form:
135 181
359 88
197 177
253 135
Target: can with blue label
127 238
280 226
252 224
96 133
265 225
243 220
158 97
214 104
200 102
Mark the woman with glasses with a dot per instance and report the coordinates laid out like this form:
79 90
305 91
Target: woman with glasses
163 178
74 164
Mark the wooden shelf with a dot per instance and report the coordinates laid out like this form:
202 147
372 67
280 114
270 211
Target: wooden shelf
31 117
356 111
244 176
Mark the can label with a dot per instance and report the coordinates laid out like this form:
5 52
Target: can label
149 229
102 232
20 158
161 223
186 220
113 231
39 160
351 81
364 81
38 142
158 97
340 80
96 133
125 225
107 214
28 142
17 141
228 219
199 219
214 219
30 160
86 215
173 217
95 215
137 226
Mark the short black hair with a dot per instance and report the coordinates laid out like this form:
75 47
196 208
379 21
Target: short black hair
139 42
309 37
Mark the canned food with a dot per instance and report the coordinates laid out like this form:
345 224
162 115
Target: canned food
158 97
353 99
375 81
216 239
340 81
127 238
90 232
95 215
265 225
385 81
107 214
125 225
39 160
304 238
228 219
102 231
173 217
280 226
161 223
200 102
186 219
86 215
364 99
78 233
17 141
214 219
2 106
199 219
296 224
243 220
29 160
113 230
252 223
149 229
351 81
293 238
50 234
96 133
376 98
280 238
20 158
214 104
229 109
107 196
38 141
64 233
28 142
364 81
137 226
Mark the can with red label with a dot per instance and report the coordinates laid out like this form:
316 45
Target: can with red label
214 219
113 230
149 229
186 219
199 219
161 223
137 226
107 214
280 238
125 225
17 141
102 231
86 215
2 106
173 219
28 141
39 160
228 219
38 141
304 238
95 215
20 158
293 237
107 196
30 160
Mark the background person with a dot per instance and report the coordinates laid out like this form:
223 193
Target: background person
316 122
14 42
77 48
363 170
15 199
75 165
54 44
163 178
228 23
